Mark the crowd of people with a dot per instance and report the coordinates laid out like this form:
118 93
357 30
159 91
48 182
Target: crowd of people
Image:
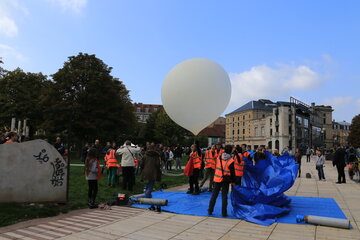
220 166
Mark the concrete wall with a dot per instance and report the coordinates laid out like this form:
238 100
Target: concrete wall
33 171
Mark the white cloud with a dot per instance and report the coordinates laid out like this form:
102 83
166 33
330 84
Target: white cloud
8 27
8 10
338 102
266 82
10 54
75 6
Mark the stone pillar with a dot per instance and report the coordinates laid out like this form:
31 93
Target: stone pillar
13 122
25 127
19 127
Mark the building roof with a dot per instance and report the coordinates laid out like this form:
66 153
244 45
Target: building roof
262 104
344 123
218 130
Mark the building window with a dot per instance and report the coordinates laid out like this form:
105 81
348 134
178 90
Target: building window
138 109
277 128
262 131
324 120
244 117
306 122
256 132
243 131
290 130
238 118
155 109
270 121
233 132
263 115
233 119
270 131
238 131
243 123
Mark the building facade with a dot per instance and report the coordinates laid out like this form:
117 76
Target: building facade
340 132
215 132
143 111
280 124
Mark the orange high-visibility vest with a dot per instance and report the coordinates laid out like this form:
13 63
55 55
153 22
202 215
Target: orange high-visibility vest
218 177
110 159
247 154
196 160
210 159
239 167
218 154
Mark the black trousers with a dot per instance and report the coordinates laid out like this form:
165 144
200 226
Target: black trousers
168 165
194 180
224 187
308 158
341 174
128 178
93 189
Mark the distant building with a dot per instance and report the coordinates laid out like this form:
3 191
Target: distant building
340 132
143 111
215 132
280 124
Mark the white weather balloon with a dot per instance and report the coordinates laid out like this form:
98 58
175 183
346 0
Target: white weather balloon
195 93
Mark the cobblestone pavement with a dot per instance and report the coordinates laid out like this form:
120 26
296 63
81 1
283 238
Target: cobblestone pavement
129 223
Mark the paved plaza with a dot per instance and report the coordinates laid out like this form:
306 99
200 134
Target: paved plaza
130 223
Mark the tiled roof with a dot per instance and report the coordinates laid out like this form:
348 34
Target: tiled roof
261 104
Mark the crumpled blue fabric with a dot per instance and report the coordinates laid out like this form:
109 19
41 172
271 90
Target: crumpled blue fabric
261 197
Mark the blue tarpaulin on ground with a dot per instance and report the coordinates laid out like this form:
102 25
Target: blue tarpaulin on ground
261 197
182 203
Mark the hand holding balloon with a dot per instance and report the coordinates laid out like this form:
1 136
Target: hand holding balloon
195 93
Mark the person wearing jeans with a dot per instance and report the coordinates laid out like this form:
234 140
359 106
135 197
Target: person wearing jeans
151 170
320 161
196 158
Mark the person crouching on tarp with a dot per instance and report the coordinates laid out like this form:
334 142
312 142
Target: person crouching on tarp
224 175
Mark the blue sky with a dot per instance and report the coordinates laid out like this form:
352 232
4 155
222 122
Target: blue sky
271 49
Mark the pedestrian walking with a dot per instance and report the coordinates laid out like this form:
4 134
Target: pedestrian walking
169 156
224 175
298 157
92 175
308 154
320 161
339 162
178 156
151 170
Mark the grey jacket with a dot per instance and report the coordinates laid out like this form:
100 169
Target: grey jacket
93 172
320 160
127 159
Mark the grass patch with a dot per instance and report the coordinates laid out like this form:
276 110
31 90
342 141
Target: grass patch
11 213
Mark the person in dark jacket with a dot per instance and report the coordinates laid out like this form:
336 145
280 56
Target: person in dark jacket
224 175
339 162
298 157
59 146
151 170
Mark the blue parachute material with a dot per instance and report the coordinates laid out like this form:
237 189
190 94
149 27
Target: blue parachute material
261 197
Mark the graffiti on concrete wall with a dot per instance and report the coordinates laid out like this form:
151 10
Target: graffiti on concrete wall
42 157
58 172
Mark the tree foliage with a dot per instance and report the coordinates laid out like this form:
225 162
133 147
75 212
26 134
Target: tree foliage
87 100
354 136
20 96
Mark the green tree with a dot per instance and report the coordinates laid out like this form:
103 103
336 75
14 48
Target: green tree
354 136
87 101
20 96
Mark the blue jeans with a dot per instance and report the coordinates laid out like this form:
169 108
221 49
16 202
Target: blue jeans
149 188
321 172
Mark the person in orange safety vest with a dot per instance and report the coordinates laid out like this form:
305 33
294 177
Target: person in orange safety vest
210 160
238 164
196 158
112 164
224 175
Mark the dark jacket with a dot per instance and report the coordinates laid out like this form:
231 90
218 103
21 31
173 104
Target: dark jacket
60 147
150 165
339 158
178 152
298 157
